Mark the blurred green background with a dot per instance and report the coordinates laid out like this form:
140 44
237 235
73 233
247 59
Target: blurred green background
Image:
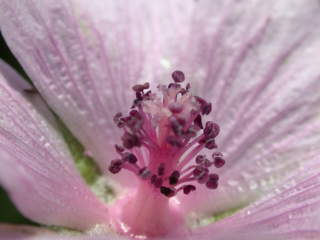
8 212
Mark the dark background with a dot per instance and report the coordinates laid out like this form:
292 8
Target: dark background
8 212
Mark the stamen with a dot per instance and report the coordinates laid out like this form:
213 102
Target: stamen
178 76
168 192
115 166
174 177
129 157
140 87
188 188
163 137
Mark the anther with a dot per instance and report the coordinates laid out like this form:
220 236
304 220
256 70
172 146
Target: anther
200 159
119 149
174 177
168 192
219 162
117 120
200 171
140 87
188 188
130 140
115 166
206 109
211 144
178 76
211 129
212 183
129 157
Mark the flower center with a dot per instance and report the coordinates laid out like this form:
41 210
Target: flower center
163 136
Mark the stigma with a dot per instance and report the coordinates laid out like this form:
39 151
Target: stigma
163 139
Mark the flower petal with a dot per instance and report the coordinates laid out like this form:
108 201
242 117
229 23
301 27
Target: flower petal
84 57
11 232
290 212
259 65
36 167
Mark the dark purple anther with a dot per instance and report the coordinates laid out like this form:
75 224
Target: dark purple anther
115 166
211 144
211 129
219 162
161 169
200 159
178 76
188 188
206 109
174 85
212 182
118 120
168 192
200 171
213 177
119 149
174 177
141 87
129 157
206 163
200 100
130 140
208 128
203 178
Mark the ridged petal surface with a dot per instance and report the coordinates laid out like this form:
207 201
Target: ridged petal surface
290 212
37 169
12 232
84 57
258 63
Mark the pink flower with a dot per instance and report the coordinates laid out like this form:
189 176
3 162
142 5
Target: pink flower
255 61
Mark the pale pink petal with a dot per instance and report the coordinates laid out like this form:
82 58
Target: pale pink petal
258 62
290 212
37 169
12 232
84 57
